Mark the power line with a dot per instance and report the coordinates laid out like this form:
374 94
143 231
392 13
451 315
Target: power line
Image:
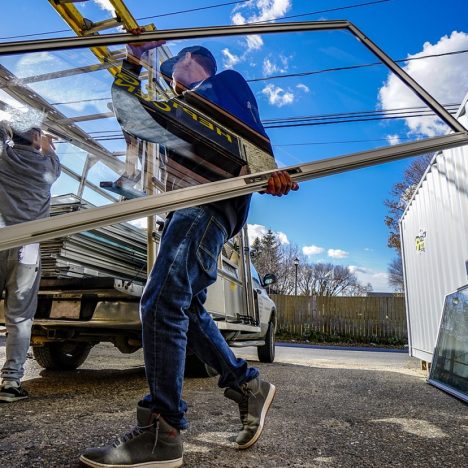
309 143
324 119
292 75
321 11
352 67
191 10
394 111
312 123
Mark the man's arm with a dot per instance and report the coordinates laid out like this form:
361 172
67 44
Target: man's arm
135 51
48 149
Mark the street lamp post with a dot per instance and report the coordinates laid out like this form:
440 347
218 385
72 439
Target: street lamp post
296 264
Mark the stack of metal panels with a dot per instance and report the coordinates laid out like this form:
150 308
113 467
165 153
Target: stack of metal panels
118 251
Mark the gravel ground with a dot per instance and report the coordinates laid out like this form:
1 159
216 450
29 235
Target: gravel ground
322 416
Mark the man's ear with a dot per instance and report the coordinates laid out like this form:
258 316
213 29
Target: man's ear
187 56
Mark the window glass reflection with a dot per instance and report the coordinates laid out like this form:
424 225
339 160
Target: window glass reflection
450 361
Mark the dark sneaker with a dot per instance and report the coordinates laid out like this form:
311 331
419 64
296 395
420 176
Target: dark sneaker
254 400
152 443
12 391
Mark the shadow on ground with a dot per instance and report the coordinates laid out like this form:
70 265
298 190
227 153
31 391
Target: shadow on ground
320 417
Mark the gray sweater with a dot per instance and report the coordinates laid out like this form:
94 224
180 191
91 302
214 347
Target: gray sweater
26 176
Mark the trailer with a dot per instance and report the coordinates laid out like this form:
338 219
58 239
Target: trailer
434 239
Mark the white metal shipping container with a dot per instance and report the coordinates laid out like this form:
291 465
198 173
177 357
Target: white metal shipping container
434 237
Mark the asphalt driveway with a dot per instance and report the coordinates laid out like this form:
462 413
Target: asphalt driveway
333 408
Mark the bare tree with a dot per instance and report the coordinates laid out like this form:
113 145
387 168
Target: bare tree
306 278
287 271
322 279
395 274
327 279
402 193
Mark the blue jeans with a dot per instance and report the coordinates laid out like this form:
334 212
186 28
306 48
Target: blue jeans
173 315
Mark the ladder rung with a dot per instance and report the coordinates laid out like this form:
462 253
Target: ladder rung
89 27
61 2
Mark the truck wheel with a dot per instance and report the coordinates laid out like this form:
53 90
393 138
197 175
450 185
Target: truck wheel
194 367
266 353
65 355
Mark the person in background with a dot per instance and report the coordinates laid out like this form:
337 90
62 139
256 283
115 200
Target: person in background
172 310
28 168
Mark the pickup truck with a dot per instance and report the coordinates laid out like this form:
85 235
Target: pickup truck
75 314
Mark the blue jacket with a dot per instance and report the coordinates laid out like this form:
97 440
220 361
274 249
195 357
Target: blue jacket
230 92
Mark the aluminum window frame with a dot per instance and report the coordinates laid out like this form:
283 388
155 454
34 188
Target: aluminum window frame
41 230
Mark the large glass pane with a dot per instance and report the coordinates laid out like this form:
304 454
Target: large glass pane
449 368
158 118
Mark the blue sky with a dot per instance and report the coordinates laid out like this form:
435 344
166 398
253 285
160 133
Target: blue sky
340 218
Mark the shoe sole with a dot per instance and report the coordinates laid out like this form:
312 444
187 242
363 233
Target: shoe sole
266 407
8 399
156 464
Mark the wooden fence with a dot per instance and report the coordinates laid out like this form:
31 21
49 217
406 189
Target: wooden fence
356 317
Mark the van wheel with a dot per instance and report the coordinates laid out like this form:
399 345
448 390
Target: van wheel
194 367
266 353
64 355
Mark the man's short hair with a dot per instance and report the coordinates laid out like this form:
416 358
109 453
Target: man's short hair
25 138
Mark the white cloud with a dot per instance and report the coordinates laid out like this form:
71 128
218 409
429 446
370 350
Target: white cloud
265 10
337 253
312 250
238 19
356 269
30 60
278 96
445 78
230 59
393 139
270 68
283 238
378 279
105 5
258 230
258 11
303 87
254 42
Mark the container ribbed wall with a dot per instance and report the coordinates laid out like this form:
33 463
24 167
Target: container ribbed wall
438 211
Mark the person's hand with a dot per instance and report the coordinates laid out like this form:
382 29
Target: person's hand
280 184
47 144
137 50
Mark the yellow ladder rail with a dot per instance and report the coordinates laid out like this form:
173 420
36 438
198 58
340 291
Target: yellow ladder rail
84 27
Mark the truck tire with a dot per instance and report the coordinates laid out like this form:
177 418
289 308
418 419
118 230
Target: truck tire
194 367
266 353
65 355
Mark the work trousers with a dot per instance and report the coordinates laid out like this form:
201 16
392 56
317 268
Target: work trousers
19 279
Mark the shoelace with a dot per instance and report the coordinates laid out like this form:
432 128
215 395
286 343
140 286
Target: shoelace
135 432
244 404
